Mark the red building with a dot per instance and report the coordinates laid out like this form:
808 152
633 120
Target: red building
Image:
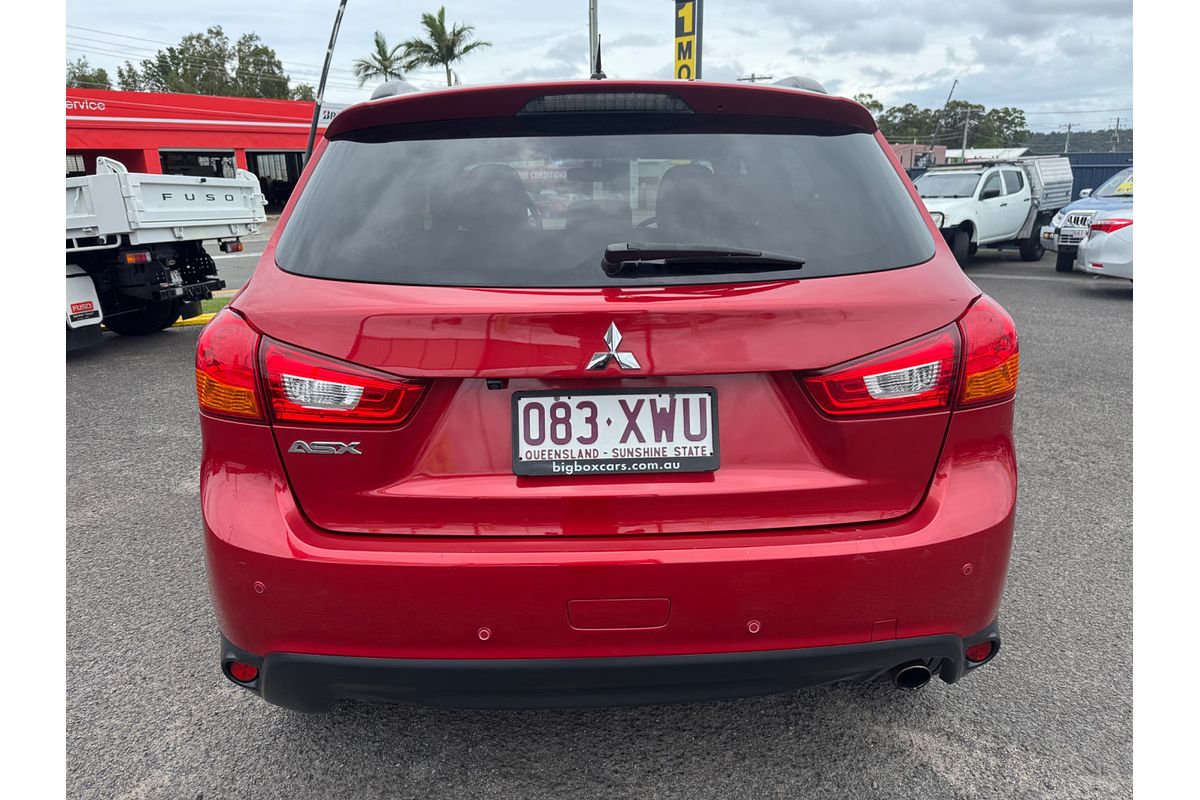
191 134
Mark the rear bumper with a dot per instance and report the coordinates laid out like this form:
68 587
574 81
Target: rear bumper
313 683
787 607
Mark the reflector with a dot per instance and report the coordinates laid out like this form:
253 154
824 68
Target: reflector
979 652
243 673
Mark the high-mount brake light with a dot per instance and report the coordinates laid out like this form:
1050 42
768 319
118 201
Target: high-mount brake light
137 257
914 376
990 352
606 103
1110 225
307 388
225 371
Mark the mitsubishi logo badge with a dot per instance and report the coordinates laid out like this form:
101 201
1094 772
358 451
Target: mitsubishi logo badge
612 338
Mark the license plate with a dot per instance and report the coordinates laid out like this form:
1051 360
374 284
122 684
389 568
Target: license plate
615 432
1073 235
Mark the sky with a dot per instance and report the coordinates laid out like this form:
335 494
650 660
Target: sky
1067 61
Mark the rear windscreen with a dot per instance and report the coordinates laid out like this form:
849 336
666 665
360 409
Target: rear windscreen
539 210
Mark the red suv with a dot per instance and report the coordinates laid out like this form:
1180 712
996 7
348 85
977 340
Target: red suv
731 421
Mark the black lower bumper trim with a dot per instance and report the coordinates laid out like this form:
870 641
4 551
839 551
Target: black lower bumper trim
314 682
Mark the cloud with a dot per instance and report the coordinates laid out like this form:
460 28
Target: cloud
634 40
1035 54
878 73
879 38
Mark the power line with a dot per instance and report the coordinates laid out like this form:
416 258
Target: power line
176 44
195 60
1079 111
293 66
125 51
127 54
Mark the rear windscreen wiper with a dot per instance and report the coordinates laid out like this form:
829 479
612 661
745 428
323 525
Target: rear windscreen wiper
663 258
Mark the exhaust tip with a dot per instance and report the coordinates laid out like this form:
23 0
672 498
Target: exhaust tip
911 677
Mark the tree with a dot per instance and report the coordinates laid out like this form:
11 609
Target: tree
998 127
869 101
258 72
906 123
206 63
441 47
1005 127
129 79
382 64
80 75
957 115
304 91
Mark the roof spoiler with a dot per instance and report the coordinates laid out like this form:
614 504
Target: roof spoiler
509 100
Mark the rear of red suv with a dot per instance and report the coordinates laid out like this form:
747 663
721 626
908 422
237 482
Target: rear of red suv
604 392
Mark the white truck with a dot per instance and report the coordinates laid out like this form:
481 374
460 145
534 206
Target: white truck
135 255
996 203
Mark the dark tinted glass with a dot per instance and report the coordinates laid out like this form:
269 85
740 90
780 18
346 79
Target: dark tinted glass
538 211
1014 179
947 184
992 184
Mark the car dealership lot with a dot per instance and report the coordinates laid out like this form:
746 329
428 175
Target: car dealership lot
149 714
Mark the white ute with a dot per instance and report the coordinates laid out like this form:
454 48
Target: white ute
996 203
135 255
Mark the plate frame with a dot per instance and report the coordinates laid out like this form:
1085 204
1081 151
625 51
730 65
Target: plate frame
715 458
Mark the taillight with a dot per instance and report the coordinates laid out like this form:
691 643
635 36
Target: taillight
991 357
137 257
1111 225
225 373
308 388
914 376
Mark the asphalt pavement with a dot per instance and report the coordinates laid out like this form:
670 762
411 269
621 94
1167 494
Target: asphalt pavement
150 716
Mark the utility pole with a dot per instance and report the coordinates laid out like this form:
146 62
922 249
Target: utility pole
593 33
312 131
755 78
1067 145
1116 137
938 126
966 126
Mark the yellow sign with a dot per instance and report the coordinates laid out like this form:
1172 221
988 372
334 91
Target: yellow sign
687 45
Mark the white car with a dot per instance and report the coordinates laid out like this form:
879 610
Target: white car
998 204
1108 248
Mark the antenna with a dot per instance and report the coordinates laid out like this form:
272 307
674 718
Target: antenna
598 72
593 32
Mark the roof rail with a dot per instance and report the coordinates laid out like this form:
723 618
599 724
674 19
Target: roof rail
802 83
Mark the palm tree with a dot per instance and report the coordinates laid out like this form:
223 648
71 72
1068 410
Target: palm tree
383 64
440 47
